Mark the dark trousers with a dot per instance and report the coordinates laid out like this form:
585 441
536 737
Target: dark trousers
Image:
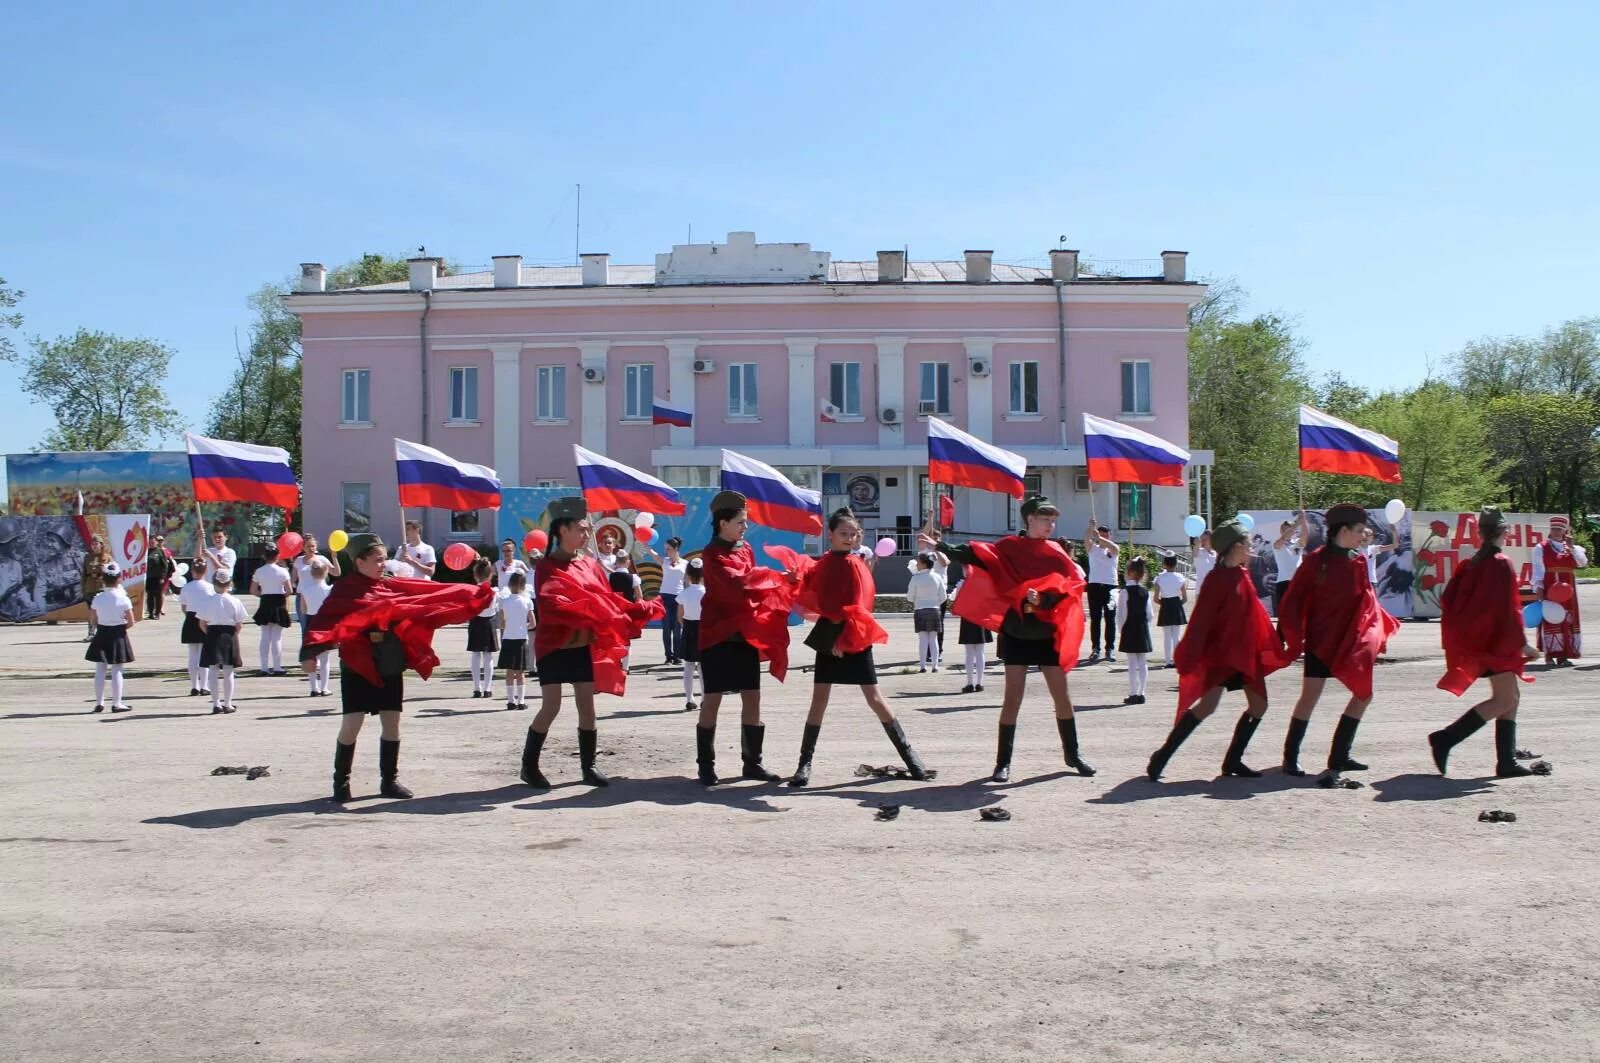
1102 605
155 597
1278 591
671 628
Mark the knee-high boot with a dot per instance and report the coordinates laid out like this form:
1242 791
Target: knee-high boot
705 744
1069 746
530 761
1344 736
902 745
1002 756
752 737
588 749
1505 750
808 746
1443 741
1291 747
1176 737
344 758
1233 763
389 768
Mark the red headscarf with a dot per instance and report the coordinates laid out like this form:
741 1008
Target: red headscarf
574 595
1013 566
411 608
1331 610
837 587
1229 634
1482 622
745 599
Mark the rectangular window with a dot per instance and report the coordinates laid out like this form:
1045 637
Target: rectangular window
638 396
1133 505
742 389
549 481
691 475
357 406
464 393
934 397
844 387
464 524
1024 387
1032 484
1135 387
356 500
552 398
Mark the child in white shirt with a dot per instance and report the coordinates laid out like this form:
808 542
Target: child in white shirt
112 611
223 616
690 599
482 639
1136 614
192 600
926 593
1172 590
314 589
271 583
516 624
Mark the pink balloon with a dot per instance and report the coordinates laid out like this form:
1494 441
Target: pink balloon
885 546
458 556
289 544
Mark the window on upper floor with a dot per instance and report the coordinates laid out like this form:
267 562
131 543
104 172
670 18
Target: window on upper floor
1133 506
1136 387
934 396
356 501
464 393
742 389
464 524
638 394
551 401
357 403
844 387
1032 484
1024 387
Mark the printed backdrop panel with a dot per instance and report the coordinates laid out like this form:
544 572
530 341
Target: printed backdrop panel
1395 567
42 562
1443 540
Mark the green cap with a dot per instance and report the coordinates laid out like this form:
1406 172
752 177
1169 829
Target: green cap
1491 521
361 542
568 507
1226 534
728 500
1038 504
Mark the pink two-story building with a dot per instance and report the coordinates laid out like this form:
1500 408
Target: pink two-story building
828 370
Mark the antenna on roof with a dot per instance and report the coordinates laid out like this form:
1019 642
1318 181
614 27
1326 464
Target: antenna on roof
577 229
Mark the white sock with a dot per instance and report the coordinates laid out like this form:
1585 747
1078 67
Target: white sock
214 681
275 645
324 669
688 680
262 648
1136 673
227 677
974 665
116 684
1169 640
99 682
194 667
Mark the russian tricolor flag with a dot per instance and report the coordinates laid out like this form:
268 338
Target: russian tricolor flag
954 457
1116 453
224 471
1328 444
611 485
772 500
432 479
661 413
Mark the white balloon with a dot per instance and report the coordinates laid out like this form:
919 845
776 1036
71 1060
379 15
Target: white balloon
183 568
179 580
1394 510
645 520
1554 612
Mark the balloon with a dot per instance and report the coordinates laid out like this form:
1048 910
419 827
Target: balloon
458 556
182 569
289 544
645 520
1194 525
1394 510
535 540
180 579
1559 592
885 546
643 534
1554 612
1531 614
338 539
1247 521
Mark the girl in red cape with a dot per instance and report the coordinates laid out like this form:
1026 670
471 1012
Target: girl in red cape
744 620
838 591
583 635
1229 644
1483 638
1028 587
1331 614
363 608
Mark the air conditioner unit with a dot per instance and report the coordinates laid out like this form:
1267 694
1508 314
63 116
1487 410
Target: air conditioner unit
594 374
979 367
889 415
927 407
830 412
1080 482
704 365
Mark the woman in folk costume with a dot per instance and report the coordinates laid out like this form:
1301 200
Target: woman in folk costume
1229 644
1331 614
838 590
381 626
744 620
581 639
1555 565
1028 586
1483 638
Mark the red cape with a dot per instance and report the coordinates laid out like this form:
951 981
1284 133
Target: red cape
745 599
1229 634
1331 611
574 595
411 608
837 587
1010 568
1482 623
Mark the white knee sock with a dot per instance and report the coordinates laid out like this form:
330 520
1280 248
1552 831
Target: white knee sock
275 647
194 667
214 681
1137 672
227 677
486 670
99 682
1169 640
116 684
974 664
263 647
927 646
688 680
324 670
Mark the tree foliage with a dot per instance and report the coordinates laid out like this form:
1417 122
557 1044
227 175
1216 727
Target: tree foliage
262 403
1548 443
107 392
373 267
10 320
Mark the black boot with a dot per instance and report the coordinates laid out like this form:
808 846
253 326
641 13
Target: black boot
588 747
389 768
705 744
1344 736
1233 763
1002 756
1176 737
344 758
1505 750
530 761
1291 747
1069 746
1442 742
751 737
808 746
902 746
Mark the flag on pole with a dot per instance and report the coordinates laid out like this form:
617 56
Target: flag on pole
771 498
947 511
663 413
610 484
224 471
1118 454
829 413
1328 444
432 479
954 457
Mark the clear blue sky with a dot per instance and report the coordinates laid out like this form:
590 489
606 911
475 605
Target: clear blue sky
1397 179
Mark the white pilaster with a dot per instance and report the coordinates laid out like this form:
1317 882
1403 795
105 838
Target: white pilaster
592 429
680 381
507 412
892 388
803 409
980 389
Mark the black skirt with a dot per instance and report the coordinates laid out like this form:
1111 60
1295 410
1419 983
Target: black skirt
1135 636
925 620
481 635
191 635
1041 652
1171 613
514 655
729 667
849 669
272 609
1315 668
358 695
690 650
566 667
221 648
110 645
974 635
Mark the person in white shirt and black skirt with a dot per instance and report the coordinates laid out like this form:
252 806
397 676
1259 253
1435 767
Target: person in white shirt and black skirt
516 619
110 647
483 638
271 583
223 616
192 599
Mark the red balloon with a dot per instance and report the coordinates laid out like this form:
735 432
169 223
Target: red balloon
458 556
289 544
535 540
1560 593
644 535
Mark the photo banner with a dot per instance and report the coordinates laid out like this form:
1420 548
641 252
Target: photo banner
1395 568
43 562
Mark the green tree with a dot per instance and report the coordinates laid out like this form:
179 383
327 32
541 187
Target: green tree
108 393
262 403
10 319
1340 396
1445 458
1547 443
373 267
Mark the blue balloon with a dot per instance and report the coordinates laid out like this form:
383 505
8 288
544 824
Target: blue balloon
1247 520
1532 614
1194 525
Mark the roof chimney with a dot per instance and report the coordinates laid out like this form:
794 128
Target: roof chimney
313 277
980 267
1173 266
596 270
891 266
508 271
424 273
1063 265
